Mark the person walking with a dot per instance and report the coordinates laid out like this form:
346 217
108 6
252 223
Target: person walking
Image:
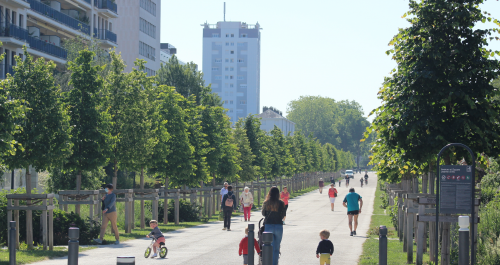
285 196
321 184
274 210
229 206
332 194
246 200
340 182
353 202
223 191
109 214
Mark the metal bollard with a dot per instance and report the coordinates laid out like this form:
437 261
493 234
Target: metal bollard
73 243
382 245
251 247
125 260
12 243
267 249
463 240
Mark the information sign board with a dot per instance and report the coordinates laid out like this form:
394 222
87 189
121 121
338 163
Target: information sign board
455 189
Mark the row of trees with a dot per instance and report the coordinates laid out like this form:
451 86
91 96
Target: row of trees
94 114
340 123
441 91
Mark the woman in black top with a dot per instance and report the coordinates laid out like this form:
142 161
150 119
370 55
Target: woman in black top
228 207
274 211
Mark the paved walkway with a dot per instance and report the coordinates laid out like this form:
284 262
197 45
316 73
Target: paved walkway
207 244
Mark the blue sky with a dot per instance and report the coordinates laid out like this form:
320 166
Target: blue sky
326 48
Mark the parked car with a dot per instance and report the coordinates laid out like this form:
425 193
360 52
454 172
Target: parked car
349 173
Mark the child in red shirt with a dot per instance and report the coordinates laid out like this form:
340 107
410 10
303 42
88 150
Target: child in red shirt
285 196
244 247
332 194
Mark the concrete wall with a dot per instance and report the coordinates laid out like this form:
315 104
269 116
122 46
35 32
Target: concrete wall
267 124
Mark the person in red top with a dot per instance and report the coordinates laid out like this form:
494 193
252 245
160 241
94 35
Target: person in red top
284 196
244 247
332 194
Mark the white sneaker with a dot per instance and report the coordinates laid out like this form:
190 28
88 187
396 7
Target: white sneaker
154 255
98 241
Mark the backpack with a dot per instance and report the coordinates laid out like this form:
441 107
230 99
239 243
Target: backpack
229 201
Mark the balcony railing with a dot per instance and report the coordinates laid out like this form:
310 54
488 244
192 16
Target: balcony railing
46 10
104 34
5 69
11 30
106 4
88 1
46 47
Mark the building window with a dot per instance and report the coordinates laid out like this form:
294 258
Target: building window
149 72
243 102
232 60
225 101
231 110
227 77
241 60
227 68
232 52
218 77
226 60
218 60
215 35
218 44
231 85
215 51
227 43
147 51
243 85
147 27
243 35
241 44
232 43
231 77
226 85
240 77
149 6
232 69
232 35
231 102
243 69
227 35
215 68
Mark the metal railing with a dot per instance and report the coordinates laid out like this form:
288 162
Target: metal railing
11 30
46 47
106 4
104 34
46 10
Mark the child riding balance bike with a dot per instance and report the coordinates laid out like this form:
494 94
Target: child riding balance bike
158 241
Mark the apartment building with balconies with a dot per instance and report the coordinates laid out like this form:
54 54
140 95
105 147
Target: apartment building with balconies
44 25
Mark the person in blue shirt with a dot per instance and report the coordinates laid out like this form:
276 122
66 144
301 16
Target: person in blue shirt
109 214
353 202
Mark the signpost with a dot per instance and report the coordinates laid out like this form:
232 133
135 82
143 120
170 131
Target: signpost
455 192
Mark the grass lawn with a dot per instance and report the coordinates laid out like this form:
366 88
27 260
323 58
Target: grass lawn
30 256
395 254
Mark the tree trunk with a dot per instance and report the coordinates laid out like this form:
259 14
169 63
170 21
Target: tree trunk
143 224
78 188
115 175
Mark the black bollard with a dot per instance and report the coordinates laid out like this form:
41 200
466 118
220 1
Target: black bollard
463 240
251 246
382 245
73 243
12 243
125 260
267 249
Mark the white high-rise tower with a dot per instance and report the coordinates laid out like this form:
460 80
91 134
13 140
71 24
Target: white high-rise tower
231 63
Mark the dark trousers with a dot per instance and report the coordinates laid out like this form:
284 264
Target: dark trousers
228 211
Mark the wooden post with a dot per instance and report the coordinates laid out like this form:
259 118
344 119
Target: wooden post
445 244
176 207
50 230
209 205
409 237
44 225
65 206
258 194
432 225
154 204
16 218
165 205
420 237
29 216
9 218
400 217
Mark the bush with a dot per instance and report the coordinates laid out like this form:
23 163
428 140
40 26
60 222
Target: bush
385 200
489 233
188 212
393 213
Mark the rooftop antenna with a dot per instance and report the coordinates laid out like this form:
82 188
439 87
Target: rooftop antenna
224 11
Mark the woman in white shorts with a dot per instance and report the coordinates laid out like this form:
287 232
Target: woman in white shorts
332 194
